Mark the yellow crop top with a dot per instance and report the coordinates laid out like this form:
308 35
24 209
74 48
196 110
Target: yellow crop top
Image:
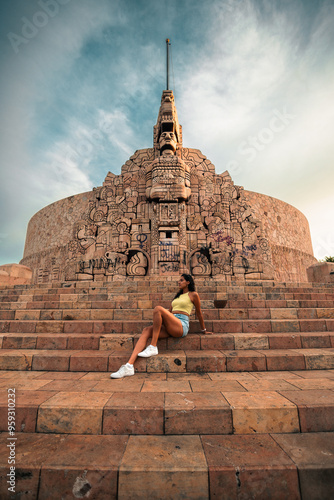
183 304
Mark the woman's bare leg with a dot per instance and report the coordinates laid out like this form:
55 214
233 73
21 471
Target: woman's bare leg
172 325
141 343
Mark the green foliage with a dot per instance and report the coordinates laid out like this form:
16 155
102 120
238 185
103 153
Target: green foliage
327 259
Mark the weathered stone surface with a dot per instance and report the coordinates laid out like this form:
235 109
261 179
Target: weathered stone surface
205 361
251 341
314 456
249 467
72 413
245 361
195 413
262 411
315 408
167 213
134 413
178 470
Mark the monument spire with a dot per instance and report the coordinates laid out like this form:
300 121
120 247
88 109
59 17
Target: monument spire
167 62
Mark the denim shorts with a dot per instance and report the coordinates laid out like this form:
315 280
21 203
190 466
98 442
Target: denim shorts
185 323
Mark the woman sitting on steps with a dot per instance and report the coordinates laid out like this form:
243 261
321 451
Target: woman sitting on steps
172 323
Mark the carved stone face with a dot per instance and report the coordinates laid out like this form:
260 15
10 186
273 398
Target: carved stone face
168 141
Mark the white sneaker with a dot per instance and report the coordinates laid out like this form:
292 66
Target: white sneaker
150 350
124 371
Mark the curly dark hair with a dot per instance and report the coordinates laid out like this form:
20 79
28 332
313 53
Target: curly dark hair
191 286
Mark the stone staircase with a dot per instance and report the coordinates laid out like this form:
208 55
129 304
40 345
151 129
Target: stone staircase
247 412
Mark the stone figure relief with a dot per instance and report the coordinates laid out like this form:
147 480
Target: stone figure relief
169 212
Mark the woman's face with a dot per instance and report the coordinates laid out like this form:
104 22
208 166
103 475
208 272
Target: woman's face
183 283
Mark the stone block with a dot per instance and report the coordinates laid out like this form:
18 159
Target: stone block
275 384
82 342
250 341
284 341
284 326
5 315
166 386
190 342
53 360
4 326
26 406
134 413
245 361
51 341
229 326
254 326
101 314
327 313
315 407
70 482
128 314
94 361
313 454
259 313
330 325
19 360
22 341
283 313
249 467
135 327
78 327
111 385
179 469
26 481
315 340
72 413
284 359
319 359
50 327
195 413
307 313
205 361
51 315
168 361
313 325
22 327
217 341
216 385
116 342
108 327
232 314
262 412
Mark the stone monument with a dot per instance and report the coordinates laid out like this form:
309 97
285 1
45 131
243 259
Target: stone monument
168 212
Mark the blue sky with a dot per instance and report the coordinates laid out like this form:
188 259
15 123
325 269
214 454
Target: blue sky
81 83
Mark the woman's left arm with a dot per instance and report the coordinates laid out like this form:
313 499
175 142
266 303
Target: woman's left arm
197 303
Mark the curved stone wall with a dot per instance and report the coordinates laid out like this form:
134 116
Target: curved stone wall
51 230
288 231
48 234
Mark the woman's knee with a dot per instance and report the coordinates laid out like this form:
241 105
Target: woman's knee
147 331
158 310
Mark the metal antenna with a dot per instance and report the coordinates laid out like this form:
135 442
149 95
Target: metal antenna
167 46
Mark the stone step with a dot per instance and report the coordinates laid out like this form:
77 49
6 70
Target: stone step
133 326
170 404
196 467
126 342
177 361
136 313
163 290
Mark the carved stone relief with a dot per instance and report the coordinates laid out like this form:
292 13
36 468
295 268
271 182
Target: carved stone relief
168 212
